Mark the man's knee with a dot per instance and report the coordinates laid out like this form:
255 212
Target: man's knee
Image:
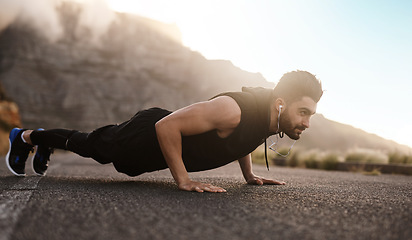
77 143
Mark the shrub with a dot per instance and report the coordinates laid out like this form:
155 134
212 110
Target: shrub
330 162
293 160
282 151
366 156
311 161
408 159
397 158
258 157
373 172
321 160
355 157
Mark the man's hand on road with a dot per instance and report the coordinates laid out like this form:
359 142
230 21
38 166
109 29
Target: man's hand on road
255 180
199 187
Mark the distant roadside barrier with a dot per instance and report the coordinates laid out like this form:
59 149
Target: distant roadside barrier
405 169
369 167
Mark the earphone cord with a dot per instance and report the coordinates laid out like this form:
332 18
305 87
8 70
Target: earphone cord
272 146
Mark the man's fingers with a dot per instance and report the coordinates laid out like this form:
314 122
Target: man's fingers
261 181
273 182
201 187
214 189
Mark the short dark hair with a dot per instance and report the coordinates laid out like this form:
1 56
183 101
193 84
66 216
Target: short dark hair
297 84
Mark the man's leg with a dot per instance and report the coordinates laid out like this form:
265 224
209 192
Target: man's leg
22 141
65 139
47 140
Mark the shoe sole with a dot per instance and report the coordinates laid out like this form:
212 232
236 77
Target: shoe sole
32 161
32 165
8 164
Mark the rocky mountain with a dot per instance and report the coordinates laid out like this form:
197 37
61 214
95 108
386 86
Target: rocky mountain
78 83
83 80
325 134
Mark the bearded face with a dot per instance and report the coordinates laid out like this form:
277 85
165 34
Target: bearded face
292 130
295 119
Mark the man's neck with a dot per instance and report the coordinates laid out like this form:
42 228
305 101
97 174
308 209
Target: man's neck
273 127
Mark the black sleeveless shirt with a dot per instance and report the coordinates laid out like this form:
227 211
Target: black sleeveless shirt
206 151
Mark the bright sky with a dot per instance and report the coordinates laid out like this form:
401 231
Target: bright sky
360 50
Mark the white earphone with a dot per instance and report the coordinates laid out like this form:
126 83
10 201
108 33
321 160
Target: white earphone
273 146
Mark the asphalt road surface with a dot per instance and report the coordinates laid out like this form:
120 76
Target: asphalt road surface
80 199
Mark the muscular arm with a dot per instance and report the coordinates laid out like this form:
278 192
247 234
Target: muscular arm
222 114
246 167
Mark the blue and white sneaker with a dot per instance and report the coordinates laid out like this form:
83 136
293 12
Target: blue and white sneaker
18 152
41 158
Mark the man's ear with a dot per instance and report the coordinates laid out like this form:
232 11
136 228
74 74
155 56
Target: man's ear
280 104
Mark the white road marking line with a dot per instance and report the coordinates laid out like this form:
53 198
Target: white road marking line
27 183
12 203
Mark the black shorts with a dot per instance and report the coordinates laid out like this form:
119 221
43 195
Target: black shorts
132 146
